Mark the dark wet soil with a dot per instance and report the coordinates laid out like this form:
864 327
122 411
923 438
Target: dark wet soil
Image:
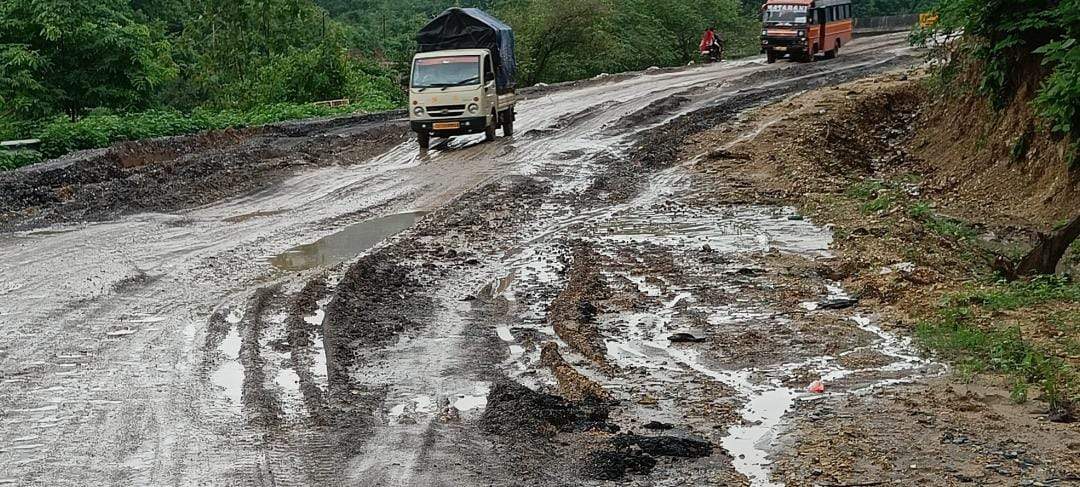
182 172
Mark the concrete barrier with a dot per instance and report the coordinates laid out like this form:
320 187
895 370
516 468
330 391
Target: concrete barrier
884 25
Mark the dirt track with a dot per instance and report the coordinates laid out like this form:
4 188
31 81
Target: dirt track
217 324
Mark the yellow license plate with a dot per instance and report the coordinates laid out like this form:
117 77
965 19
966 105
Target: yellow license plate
781 49
447 126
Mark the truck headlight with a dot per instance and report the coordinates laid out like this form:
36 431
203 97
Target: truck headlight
473 108
764 33
419 111
802 33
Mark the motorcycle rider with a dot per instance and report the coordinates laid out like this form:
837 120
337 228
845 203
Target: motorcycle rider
712 46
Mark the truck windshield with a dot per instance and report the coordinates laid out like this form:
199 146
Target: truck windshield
444 72
785 15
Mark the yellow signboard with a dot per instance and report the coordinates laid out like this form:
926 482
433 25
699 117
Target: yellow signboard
928 20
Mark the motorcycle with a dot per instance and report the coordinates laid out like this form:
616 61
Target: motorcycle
715 53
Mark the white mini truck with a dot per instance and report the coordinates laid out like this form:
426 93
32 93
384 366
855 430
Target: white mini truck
462 80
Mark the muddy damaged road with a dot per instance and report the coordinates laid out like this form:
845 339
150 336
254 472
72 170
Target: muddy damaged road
326 307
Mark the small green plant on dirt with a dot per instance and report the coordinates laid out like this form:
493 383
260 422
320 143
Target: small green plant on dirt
10 160
865 190
920 210
876 196
884 202
944 226
1020 294
1022 145
967 329
951 228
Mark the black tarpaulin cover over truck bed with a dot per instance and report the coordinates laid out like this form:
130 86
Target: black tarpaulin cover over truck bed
472 28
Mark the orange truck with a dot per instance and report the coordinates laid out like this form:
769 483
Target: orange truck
802 29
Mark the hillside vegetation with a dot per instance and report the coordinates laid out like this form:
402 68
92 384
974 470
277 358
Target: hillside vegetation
85 74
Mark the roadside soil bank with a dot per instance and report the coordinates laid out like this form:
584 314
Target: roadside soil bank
918 220
182 172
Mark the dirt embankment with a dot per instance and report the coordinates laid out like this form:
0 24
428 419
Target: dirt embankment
1002 166
181 172
922 194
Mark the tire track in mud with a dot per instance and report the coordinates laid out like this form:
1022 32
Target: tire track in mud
304 327
262 407
303 427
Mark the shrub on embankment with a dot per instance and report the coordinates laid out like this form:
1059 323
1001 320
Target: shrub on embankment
1016 52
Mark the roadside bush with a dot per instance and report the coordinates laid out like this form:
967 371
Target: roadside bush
15 159
60 135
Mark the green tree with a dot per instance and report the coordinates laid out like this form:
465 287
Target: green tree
558 37
70 55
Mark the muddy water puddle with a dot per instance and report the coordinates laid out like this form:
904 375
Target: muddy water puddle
229 376
659 227
347 244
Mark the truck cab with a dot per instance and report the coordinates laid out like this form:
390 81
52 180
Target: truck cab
454 92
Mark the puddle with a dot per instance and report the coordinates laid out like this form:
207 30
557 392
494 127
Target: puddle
230 376
418 406
733 229
289 381
477 400
505 334
230 346
345 244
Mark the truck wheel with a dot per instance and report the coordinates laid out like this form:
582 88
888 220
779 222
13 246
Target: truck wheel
424 139
770 57
508 128
489 132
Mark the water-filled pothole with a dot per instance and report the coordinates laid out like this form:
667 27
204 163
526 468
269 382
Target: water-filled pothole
346 244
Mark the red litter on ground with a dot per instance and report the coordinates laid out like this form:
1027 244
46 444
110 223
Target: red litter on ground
817 387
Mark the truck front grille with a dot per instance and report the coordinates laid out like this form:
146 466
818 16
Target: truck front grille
446 111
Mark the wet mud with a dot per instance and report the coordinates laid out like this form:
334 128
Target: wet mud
566 311
182 172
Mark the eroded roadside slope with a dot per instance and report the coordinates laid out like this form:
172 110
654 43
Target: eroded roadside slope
856 157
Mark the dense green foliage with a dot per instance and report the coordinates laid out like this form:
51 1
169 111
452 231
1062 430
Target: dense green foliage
17 159
560 40
63 56
1009 39
171 63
